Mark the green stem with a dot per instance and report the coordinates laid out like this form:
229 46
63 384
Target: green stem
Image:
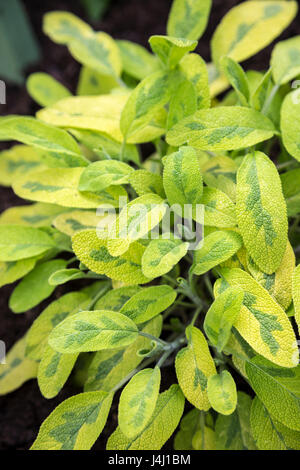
132 373
163 343
196 314
98 296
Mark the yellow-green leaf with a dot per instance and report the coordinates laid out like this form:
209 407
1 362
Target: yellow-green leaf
45 90
285 61
188 18
18 368
221 392
194 365
18 242
261 211
17 161
75 424
249 27
100 175
166 416
162 255
194 69
219 210
262 322
137 401
296 294
137 61
170 50
290 123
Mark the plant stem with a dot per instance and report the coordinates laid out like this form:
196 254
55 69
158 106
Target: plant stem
196 314
163 343
270 98
98 296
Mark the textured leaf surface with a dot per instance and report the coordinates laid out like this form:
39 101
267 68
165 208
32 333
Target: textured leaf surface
233 432
268 433
262 322
94 254
148 302
135 221
162 255
279 284
54 370
137 61
109 367
31 131
182 104
35 287
251 26
194 365
194 69
188 18
218 246
33 215
283 402
261 211
145 182
17 161
138 401
219 210
74 221
182 178
221 392
14 270
100 175
222 315
18 242
237 78
75 424
17 370
296 294
222 128
93 331
291 190
51 316
61 188
166 416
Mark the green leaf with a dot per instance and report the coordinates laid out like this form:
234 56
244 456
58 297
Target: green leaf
189 425
194 365
96 50
105 146
145 101
91 82
204 439
222 128
161 255
137 61
218 246
148 302
61 188
15 270
137 401
65 275
219 210
17 161
145 182
285 61
166 416
18 242
219 172
93 331
75 424
221 392
135 221
31 131
45 90
296 293
100 175
261 211
249 27
51 316
291 190
109 367
18 368
193 67
182 178
170 50
93 253
222 315
262 322
283 403
262 91
35 287
268 433
116 298
74 221
290 124
237 78
233 432
279 284
188 18
182 104
54 370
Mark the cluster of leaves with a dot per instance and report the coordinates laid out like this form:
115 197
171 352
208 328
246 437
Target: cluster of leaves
227 311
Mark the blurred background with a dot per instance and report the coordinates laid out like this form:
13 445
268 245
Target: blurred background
24 49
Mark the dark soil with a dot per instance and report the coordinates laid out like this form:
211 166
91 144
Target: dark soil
22 412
